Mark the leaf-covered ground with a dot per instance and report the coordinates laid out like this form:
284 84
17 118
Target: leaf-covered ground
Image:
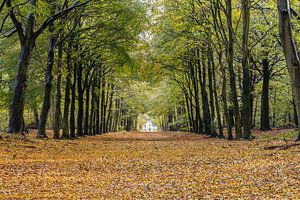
150 166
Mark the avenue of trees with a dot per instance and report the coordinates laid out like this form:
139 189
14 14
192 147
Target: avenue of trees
217 67
227 58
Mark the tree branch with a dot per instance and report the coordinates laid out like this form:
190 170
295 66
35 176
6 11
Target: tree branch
56 16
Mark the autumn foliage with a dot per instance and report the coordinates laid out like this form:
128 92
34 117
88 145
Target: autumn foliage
149 166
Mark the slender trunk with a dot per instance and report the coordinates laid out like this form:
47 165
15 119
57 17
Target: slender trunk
102 106
48 86
87 107
36 116
98 106
274 109
92 123
224 98
231 71
255 112
66 128
188 110
73 102
265 113
193 73
211 92
57 114
80 92
192 109
205 102
109 118
221 134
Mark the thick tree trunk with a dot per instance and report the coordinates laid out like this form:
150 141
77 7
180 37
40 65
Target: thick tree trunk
246 71
290 52
295 114
17 105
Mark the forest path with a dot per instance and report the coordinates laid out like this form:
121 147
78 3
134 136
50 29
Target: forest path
156 165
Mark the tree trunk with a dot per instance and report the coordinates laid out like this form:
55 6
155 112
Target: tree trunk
102 106
274 110
265 113
92 120
17 105
295 114
109 117
211 93
87 107
73 102
221 134
80 92
205 102
290 52
57 124
36 116
66 129
235 102
246 71
48 86
195 82
224 98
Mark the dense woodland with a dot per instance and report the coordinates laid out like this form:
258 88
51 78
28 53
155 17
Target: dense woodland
220 68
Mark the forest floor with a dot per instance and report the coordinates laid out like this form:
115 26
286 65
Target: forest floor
158 165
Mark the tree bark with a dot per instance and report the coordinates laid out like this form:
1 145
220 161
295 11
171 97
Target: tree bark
80 101
17 106
73 102
66 128
48 86
205 102
87 106
224 98
290 52
265 112
220 126
246 71
57 122
211 92
235 102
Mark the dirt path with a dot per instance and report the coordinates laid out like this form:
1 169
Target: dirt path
140 165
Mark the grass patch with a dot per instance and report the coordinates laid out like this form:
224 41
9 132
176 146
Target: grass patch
280 136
